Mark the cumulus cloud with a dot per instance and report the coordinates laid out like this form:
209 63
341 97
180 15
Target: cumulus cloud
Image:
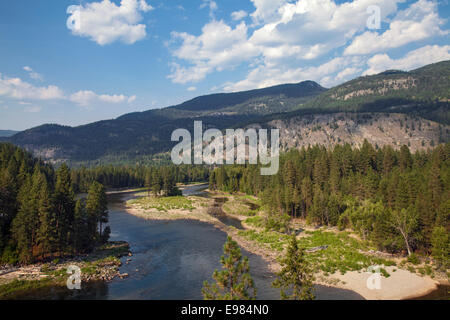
328 74
419 21
285 34
16 88
105 22
218 47
288 36
412 60
239 15
87 97
191 89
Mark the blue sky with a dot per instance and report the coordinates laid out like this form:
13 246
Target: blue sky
73 62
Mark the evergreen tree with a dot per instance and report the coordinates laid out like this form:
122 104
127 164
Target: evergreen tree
64 205
295 280
97 208
234 281
22 226
47 236
441 247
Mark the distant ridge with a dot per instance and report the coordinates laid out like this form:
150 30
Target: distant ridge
7 133
139 136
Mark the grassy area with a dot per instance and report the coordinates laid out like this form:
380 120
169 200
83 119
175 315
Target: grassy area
256 221
163 203
343 253
17 287
242 205
271 239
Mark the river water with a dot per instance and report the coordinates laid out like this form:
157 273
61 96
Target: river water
171 259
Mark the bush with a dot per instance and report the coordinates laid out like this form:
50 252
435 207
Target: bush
413 259
9 256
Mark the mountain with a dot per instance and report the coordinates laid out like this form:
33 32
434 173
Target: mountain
423 92
420 95
144 134
7 133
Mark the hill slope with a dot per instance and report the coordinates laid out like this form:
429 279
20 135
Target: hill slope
146 133
7 133
422 93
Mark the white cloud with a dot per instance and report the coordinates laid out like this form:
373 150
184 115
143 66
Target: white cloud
105 22
412 60
239 15
132 99
266 10
287 36
327 74
212 5
33 75
191 89
419 21
87 97
219 47
286 33
16 88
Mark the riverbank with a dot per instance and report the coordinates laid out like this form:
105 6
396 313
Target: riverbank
172 208
100 265
340 259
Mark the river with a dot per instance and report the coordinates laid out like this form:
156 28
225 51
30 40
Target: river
171 259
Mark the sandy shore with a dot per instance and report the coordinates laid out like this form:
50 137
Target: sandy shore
401 284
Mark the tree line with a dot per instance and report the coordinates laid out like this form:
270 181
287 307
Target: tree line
116 177
398 200
40 216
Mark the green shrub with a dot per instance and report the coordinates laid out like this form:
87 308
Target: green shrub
413 259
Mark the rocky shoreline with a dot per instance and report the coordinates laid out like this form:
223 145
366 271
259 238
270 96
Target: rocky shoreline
100 265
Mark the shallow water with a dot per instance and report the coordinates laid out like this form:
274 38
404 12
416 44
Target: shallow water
171 259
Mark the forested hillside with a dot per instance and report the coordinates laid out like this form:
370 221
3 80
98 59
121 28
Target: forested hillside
142 137
39 216
398 200
422 92
139 136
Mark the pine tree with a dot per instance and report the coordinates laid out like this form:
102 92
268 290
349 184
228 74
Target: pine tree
295 280
97 207
47 236
234 281
22 225
84 235
8 205
156 183
64 204
441 247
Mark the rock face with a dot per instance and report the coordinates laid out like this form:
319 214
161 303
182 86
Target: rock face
378 128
